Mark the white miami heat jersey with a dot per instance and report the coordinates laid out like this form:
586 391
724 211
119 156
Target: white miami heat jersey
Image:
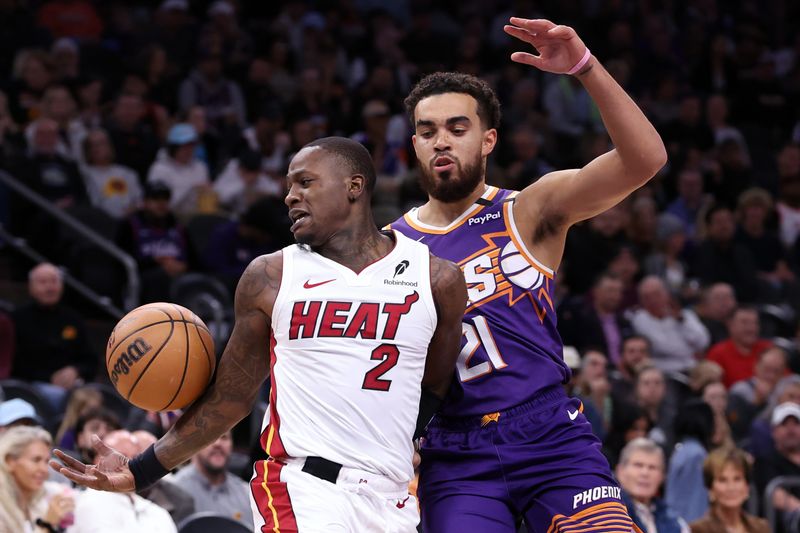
348 353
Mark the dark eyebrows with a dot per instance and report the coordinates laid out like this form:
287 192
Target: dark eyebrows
449 122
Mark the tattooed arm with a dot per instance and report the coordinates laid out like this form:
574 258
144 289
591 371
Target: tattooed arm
243 368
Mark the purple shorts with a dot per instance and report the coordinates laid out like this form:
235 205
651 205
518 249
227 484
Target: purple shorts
539 461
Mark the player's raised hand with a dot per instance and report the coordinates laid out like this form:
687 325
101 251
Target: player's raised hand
110 472
560 49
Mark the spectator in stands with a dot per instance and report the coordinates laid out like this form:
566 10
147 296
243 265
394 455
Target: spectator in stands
527 163
596 321
243 182
594 391
738 355
48 172
749 397
715 307
96 421
691 201
17 412
771 258
208 87
66 56
268 137
168 495
33 72
214 488
676 335
385 144
157 241
52 349
650 393
635 354
727 473
685 491
716 395
703 373
262 229
135 143
643 226
666 260
591 246
28 502
784 461
113 188
788 205
572 115
720 258
761 443
180 170
59 105
629 422
121 512
81 401
717 119
640 473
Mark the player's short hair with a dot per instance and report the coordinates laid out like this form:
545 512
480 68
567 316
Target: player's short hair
640 444
351 153
456 82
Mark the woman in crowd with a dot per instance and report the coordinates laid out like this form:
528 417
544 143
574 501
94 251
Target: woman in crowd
28 502
726 473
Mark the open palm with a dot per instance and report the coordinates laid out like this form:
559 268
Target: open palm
110 472
559 47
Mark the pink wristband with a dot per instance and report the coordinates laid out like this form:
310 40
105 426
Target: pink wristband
580 64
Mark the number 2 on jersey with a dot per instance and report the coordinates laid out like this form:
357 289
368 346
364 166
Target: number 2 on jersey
478 335
389 354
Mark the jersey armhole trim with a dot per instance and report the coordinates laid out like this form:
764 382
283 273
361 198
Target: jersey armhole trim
519 243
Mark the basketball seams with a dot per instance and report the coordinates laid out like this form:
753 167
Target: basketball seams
150 362
185 365
171 314
212 360
129 335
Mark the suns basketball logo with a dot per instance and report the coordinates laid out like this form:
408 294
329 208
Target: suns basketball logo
518 270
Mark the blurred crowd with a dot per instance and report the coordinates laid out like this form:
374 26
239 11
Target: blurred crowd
168 126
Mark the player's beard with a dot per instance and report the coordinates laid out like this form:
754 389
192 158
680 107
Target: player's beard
448 188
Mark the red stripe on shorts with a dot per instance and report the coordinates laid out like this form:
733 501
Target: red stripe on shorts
272 498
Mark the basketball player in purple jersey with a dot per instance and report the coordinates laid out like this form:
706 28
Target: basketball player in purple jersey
509 443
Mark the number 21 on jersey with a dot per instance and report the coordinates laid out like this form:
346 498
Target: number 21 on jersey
477 334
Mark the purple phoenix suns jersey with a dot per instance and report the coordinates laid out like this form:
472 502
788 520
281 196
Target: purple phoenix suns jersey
511 348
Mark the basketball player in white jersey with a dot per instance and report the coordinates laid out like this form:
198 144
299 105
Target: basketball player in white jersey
363 330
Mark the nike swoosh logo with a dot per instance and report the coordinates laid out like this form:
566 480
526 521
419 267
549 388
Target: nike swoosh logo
309 285
573 414
402 504
420 239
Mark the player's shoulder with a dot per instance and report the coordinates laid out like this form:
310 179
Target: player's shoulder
445 274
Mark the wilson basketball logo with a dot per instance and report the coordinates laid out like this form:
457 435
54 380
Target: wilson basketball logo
135 351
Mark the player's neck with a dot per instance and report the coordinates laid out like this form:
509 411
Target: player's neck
438 213
357 247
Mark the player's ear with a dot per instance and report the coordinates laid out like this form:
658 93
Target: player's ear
489 141
356 187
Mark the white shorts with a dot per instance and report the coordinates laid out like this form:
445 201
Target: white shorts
284 499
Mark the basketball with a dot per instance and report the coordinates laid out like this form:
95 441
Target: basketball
160 357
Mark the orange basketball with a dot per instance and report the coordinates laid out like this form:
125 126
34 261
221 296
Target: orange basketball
160 357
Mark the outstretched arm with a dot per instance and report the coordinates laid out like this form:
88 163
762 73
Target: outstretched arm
243 367
548 207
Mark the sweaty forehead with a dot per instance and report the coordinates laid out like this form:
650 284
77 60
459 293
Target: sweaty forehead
441 107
